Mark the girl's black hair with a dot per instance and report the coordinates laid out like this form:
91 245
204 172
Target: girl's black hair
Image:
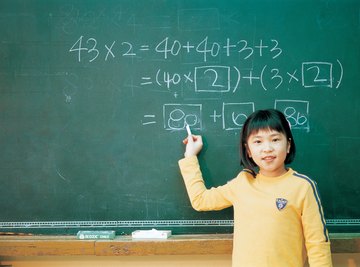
269 119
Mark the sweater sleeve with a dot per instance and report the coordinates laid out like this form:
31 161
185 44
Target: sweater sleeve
201 198
316 236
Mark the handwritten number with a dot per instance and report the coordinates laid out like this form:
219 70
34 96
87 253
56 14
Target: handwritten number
178 119
215 49
93 49
215 78
294 118
77 47
202 48
162 47
175 48
276 49
129 52
317 74
171 79
277 76
245 48
238 118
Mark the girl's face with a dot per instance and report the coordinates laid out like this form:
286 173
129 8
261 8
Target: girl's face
268 149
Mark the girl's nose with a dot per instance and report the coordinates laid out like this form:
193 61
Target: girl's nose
268 147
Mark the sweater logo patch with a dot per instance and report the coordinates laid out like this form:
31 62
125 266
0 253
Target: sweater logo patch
281 203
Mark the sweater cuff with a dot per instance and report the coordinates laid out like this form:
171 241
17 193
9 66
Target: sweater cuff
188 160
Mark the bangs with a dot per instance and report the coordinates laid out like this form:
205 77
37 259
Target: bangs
267 122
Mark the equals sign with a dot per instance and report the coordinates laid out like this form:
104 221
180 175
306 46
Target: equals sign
146 80
144 48
148 119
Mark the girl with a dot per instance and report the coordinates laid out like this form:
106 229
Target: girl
278 217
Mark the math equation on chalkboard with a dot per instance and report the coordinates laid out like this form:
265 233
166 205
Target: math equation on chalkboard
202 69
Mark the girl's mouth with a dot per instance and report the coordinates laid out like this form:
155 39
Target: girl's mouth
268 158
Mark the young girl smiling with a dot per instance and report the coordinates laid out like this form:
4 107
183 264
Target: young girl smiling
278 217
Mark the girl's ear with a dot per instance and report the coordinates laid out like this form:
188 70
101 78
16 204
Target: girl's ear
288 146
248 151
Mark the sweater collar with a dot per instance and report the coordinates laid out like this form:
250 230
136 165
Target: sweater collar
264 178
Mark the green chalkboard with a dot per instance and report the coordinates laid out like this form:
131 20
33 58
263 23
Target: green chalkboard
94 96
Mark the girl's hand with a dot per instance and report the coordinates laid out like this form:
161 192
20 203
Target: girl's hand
193 144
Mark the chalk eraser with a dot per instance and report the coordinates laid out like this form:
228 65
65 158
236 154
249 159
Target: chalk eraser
151 234
96 235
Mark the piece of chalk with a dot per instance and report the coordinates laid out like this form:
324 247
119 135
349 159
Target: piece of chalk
188 129
151 234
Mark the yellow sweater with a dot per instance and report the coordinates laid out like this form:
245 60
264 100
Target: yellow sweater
277 220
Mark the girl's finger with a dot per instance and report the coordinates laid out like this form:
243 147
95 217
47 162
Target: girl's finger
185 141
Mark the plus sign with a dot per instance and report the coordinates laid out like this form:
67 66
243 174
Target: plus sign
251 77
215 116
188 47
261 47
